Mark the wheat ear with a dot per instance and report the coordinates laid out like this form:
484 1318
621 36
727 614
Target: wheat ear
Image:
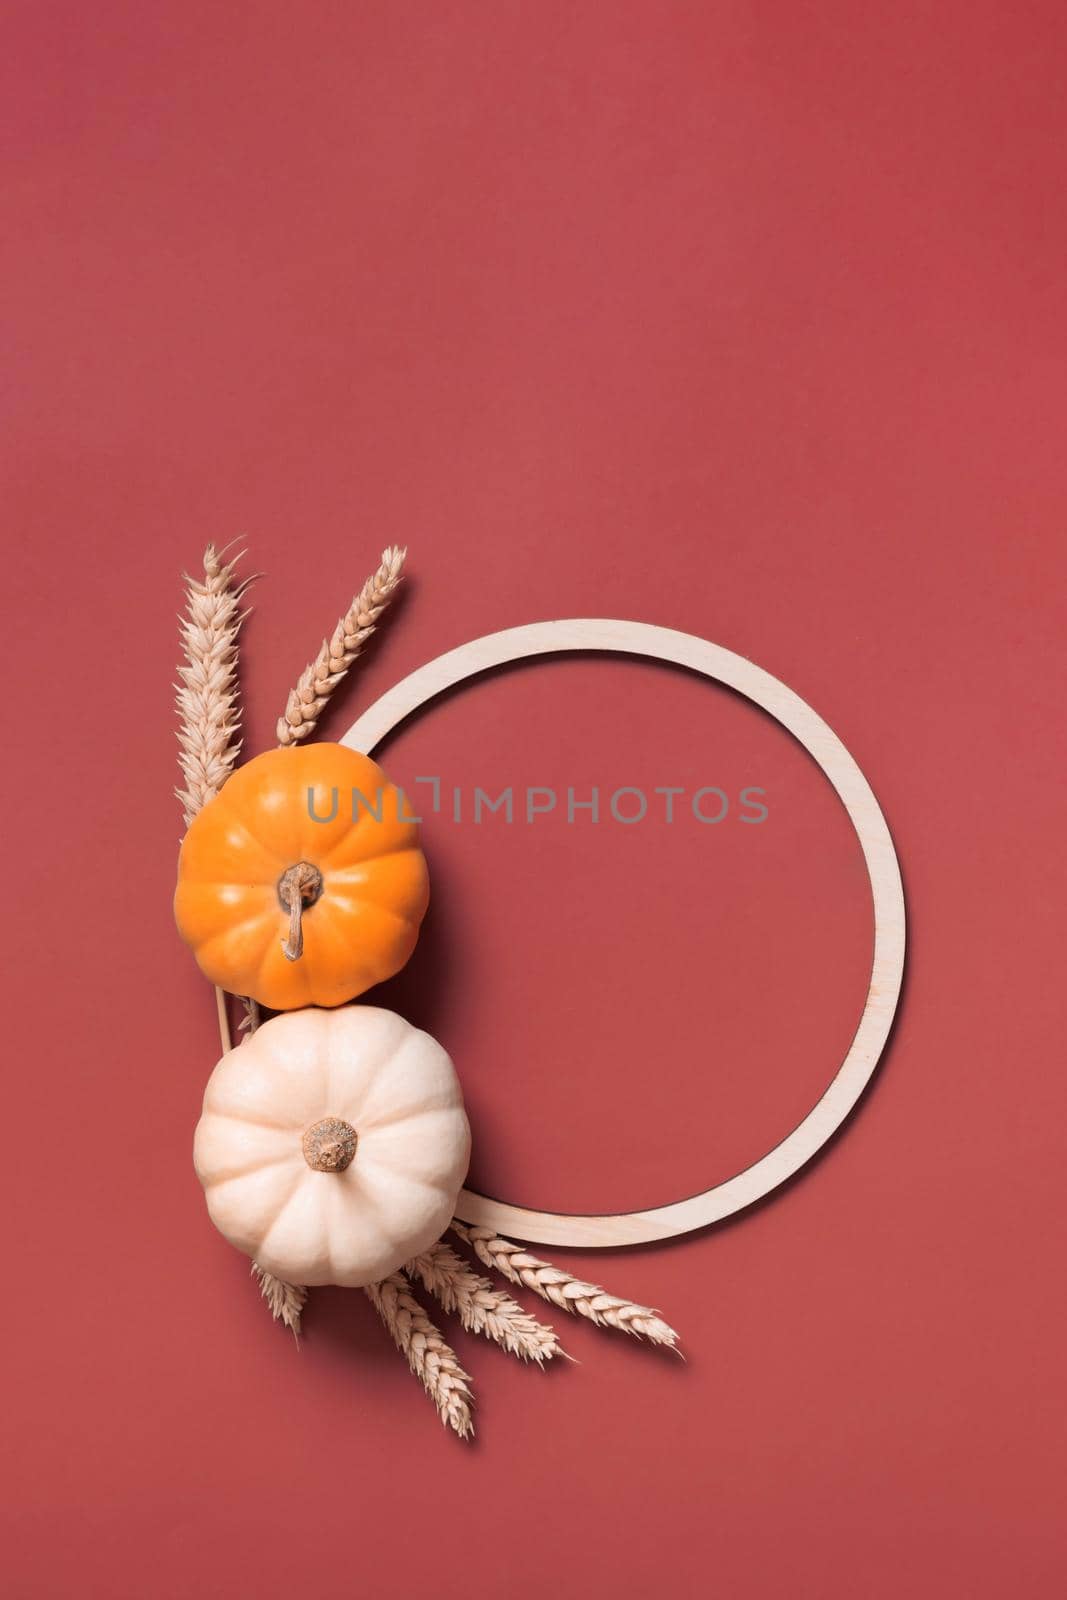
286 1300
481 1308
209 717
207 691
563 1290
428 1356
320 677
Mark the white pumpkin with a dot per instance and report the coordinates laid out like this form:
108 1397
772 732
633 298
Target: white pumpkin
333 1144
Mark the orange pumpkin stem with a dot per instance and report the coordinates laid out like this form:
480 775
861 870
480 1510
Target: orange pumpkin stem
298 887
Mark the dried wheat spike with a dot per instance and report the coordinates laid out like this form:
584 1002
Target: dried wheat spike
321 676
563 1290
286 1300
481 1308
428 1356
207 691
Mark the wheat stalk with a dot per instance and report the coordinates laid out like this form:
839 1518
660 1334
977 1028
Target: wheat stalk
208 734
564 1290
428 1356
321 676
207 692
481 1308
306 701
286 1300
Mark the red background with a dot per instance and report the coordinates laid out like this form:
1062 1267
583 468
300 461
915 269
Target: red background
743 319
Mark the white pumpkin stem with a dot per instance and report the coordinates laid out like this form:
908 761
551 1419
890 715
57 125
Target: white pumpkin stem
330 1145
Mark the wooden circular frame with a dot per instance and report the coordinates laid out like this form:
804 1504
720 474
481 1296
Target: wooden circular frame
887 968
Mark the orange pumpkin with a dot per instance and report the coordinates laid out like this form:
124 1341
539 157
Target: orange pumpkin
302 882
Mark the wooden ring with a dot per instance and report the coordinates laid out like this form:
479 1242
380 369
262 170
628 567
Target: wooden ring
887 968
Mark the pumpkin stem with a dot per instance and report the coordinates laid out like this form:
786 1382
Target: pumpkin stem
330 1145
298 887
